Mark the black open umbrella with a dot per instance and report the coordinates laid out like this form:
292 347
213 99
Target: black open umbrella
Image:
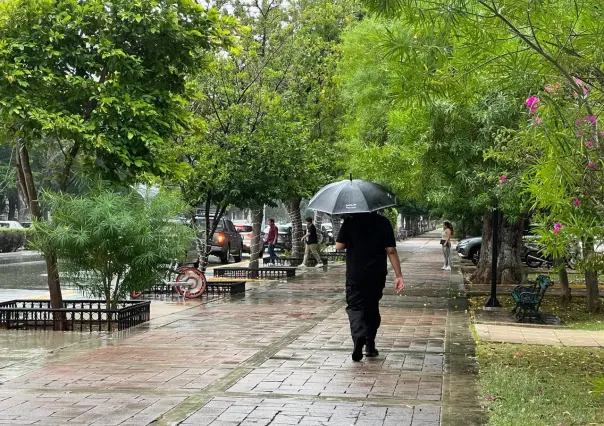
352 196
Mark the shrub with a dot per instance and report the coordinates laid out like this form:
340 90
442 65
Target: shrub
112 243
11 239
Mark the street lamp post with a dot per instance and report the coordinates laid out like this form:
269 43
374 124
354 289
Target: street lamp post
493 302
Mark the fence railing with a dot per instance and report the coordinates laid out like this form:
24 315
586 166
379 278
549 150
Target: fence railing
76 315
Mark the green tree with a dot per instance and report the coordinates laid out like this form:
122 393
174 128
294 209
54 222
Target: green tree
111 244
107 80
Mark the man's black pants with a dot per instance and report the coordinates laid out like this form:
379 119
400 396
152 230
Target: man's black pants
363 300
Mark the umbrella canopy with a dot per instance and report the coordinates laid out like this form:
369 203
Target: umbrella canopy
352 196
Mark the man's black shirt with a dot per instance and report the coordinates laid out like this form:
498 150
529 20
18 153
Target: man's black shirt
366 235
312 234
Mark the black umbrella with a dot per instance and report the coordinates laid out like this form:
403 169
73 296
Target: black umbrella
352 196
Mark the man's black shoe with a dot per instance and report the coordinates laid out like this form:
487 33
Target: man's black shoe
371 352
357 353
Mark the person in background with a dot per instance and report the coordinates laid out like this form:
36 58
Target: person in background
312 241
368 239
271 239
445 241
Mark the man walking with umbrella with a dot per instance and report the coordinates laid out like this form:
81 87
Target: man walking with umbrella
368 239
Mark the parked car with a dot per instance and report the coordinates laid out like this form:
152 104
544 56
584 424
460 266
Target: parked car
284 241
13 224
469 248
226 242
246 230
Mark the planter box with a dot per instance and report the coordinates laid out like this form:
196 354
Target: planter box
76 315
293 261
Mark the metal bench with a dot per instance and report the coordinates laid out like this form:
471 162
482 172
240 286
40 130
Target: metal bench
242 272
335 256
228 287
292 261
528 298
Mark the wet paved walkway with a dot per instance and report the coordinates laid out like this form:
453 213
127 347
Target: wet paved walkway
278 355
540 336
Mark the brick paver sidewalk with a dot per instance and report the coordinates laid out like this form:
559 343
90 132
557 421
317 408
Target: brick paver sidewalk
278 355
539 336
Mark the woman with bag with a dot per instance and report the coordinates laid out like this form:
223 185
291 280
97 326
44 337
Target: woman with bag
446 243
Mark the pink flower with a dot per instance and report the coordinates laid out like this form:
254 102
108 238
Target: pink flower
503 179
589 144
575 94
578 82
532 103
578 122
592 119
539 389
490 398
557 227
549 89
585 91
591 165
577 202
537 121
601 134
580 133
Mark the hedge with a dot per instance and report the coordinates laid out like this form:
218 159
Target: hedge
12 239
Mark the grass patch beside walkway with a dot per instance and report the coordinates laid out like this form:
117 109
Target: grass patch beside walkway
574 315
542 386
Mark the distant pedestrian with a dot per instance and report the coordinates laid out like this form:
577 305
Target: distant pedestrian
271 239
312 241
368 239
445 241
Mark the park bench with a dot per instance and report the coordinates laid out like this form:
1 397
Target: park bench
244 272
292 261
528 298
335 256
228 287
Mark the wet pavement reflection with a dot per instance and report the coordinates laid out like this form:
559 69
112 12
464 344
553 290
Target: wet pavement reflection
278 354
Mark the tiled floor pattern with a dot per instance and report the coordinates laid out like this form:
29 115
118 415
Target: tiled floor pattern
279 355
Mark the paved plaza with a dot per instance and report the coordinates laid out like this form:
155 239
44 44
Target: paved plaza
278 355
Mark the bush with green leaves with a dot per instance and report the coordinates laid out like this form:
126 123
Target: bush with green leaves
12 239
111 243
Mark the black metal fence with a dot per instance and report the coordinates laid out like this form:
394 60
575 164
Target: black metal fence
76 315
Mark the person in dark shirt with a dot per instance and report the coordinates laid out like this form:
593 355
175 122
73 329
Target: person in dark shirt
312 240
368 239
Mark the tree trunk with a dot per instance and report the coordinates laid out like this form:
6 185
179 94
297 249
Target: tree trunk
565 294
483 269
26 180
204 243
336 224
509 263
257 219
591 281
318 225
293 209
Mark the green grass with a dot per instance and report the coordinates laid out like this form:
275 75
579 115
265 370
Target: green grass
574 315
525 385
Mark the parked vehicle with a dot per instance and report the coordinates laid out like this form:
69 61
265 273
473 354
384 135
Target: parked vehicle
246 231
12 224
327 231
535 258
469 248
226 241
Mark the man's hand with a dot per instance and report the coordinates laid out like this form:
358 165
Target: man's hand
399 284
